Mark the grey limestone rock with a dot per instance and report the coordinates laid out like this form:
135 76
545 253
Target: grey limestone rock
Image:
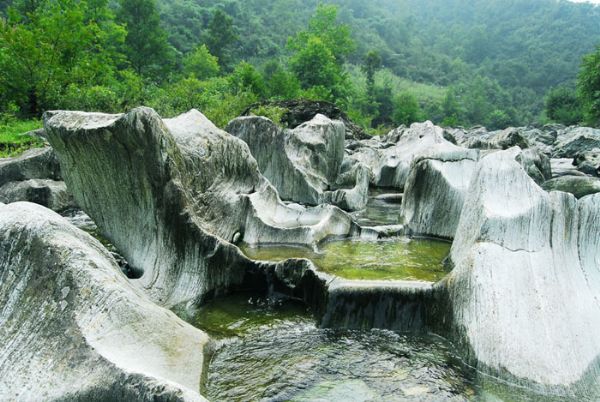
574 140
48 193
301 163
588 162
171 195
579 186
436 188
523 291
74 328
390 162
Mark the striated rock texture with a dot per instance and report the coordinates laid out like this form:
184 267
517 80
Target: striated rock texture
35 177
579 186
390 162
574 140
436 188
171 195
524 289
304 163
74 328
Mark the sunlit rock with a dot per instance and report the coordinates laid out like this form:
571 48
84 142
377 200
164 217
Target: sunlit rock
390 162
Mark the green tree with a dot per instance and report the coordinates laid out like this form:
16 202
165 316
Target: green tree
370 67
563 106
146 44
246 78
315 65
406 109
220 37
588 84
324 25
58 44
281 84
201 64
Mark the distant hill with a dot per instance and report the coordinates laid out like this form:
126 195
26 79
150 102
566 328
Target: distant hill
528 46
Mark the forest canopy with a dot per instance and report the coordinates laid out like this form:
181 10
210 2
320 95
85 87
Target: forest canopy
385 62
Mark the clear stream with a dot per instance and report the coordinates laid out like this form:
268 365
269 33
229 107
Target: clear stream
271 350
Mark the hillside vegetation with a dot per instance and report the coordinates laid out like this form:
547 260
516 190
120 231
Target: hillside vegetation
385 62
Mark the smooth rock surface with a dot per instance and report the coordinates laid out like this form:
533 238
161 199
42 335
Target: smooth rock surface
74 328
171 195
301 163
523 290
436 188
390 162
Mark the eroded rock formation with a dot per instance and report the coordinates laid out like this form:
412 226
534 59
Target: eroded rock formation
524 288
74 328
171 195
35 177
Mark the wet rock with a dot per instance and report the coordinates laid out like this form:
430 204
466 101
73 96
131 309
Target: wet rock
579 186
172 194
74 328
436 188
48 193
523 302
354 199
588 162
575 140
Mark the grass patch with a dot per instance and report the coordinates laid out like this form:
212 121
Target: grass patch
14 141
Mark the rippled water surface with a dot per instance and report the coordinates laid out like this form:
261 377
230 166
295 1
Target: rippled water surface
388 259
281 355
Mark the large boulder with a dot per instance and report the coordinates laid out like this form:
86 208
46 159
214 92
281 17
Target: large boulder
390 162
579 186
74 328
298 111
38 163
436 188
171 195
302 163
504 139
49 193
575 140
588 162
35 177
524 289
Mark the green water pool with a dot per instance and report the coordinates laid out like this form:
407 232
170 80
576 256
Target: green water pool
388 259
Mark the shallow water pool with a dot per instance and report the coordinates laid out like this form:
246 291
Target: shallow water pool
387 259
273 351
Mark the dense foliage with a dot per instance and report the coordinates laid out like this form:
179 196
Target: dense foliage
385 62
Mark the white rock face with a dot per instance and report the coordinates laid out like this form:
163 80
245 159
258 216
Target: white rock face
301 163
49 193
171 195
390 163
524 289
435 190
74 328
